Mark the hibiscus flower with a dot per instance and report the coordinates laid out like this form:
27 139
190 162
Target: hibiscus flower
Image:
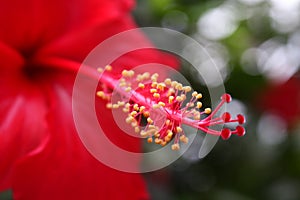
42 44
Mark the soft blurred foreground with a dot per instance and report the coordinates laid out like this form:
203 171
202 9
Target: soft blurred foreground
256 46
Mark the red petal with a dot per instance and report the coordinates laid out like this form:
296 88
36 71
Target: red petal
65 169
77 44
50 161
22 129
30 24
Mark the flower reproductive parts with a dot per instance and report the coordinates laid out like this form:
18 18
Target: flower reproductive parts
157 109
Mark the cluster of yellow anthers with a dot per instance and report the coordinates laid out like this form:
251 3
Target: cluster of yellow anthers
150 102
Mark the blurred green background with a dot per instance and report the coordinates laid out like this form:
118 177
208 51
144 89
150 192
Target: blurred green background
256 46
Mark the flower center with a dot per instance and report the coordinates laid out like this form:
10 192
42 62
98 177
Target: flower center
31 69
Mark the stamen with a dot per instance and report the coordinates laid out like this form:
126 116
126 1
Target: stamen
141 85
207 111
175 147
168 81
166 98
108 68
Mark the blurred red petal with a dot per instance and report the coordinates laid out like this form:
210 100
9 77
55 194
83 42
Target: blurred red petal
23 128
42 44
31 24
64 169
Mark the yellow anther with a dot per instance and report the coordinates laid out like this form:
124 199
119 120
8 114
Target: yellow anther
127 105
101 94
136 107
175 147
199 96
125 73
152 90
187 88
137 129
121 103
184 139
167 139
168 81
178 86
178 129
174 83
171 98
142 108
151 131
152 127
149 120
144 133
163 143
156 134
146 75
157 140
194 94
130 73
179 99
190 104
100 70
109 105
115 106
199 104
149 140
207 111
122 84
170 133
183 96
125 110
133 113
162 104
141 85
156 95
197 116
128 89
154 77
171 91
146 114
154 84
161 86
134 124
139 78
108 67
168 122
129 119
